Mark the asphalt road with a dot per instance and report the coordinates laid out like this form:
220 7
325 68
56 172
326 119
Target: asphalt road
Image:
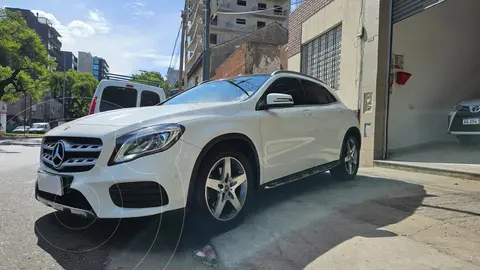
385 219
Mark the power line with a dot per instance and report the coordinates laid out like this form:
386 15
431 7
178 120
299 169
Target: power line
175 46
258 11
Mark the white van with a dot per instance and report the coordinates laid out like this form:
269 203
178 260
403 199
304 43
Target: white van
112 95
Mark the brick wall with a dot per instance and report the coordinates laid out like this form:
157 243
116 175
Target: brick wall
298 16
234 65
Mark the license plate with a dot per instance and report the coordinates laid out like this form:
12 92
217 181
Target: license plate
471 121
50 183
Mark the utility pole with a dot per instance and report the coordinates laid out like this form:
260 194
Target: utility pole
182 48
206 42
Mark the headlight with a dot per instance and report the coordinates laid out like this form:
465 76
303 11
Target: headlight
457 108
145 141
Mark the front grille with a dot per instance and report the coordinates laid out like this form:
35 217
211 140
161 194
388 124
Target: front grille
457 123
80 154
138 195
72 198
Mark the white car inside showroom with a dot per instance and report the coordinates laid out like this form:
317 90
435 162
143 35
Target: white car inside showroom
434 101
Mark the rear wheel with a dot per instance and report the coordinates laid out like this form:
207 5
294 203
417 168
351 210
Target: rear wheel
224 190
349 160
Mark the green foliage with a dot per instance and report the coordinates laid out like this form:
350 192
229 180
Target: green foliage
79 90
23 59
154 77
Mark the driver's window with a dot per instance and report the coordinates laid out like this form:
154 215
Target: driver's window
290 86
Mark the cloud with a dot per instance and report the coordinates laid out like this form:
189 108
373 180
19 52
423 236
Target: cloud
138 10
127 49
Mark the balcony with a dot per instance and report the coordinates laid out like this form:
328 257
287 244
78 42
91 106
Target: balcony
193 17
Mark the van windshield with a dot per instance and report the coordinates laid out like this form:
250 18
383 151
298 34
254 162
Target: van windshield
115 97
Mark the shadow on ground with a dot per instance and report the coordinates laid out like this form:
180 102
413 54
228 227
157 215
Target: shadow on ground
291 226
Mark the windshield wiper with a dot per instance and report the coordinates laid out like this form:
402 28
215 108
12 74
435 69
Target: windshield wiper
239 87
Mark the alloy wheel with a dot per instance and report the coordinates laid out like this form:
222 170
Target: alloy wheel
351 156
226 188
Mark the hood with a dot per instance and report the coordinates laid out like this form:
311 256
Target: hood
470 102
126 117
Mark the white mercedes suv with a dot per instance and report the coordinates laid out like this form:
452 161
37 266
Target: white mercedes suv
208 149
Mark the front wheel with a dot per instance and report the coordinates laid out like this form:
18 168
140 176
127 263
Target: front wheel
224 190
349 160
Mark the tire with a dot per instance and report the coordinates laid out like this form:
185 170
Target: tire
206 199
468 140
343 172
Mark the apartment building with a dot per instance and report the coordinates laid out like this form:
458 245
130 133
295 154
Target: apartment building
252 15
93 64
45 30
67 61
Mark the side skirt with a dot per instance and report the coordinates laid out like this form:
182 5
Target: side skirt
300 175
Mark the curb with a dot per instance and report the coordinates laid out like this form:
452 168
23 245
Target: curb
427 170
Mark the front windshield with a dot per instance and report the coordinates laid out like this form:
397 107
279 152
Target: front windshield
228 90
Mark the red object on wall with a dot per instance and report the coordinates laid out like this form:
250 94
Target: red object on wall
402 77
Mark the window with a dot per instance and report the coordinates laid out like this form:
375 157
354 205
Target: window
228 90
262 6
260 24
114 97
213 38
316 93
242 3
241 21
289 86
95 61
321 57
278 9
149 98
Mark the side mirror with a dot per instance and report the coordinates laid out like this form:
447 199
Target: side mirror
275 100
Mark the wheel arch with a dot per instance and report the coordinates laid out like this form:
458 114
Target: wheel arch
355 132
216 142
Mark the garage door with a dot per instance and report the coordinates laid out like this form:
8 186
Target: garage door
403 9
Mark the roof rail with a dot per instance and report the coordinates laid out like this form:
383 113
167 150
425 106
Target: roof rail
296 73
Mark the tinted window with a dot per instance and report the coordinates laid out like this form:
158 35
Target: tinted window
290 86
316 93
149 98
114 97
228 90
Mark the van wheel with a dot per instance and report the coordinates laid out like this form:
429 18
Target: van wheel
349 160
224 191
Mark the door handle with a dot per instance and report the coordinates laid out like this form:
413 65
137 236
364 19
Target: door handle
307 112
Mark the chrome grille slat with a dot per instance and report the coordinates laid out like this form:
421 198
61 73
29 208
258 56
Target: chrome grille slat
80 154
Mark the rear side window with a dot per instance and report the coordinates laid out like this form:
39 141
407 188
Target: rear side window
316 94
149 98
114 97
290 86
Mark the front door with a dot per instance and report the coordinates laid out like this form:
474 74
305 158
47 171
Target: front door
288 134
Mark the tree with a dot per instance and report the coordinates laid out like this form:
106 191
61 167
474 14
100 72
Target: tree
23 59
79 90
150 77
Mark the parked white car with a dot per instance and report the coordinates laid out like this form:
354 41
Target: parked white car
39 128
113 95
21 129
464 121
209 149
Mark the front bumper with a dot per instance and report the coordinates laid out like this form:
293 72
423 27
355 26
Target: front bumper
456 126
170 170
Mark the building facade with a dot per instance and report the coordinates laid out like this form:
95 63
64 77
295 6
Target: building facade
252 15
402 65
45 30
67 61
95 65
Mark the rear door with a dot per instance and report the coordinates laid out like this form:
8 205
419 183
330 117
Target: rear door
327 117
149 98
115 97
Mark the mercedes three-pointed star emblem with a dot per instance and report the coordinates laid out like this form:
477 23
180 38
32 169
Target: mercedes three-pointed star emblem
475 109
58 154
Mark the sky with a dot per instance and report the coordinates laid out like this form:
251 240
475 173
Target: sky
131 35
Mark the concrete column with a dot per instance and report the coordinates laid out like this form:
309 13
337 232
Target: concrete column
374 78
